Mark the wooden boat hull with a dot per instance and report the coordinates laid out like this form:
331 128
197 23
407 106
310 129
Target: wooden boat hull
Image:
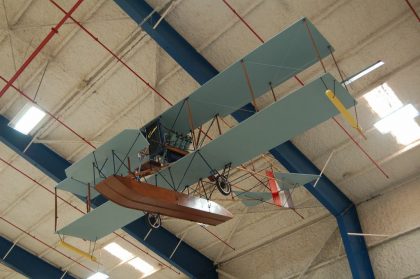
128 192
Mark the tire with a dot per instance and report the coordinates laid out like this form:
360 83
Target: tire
154 220
223 185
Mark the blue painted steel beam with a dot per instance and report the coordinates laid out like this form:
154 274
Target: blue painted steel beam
170 40
287 154
28 264
161 241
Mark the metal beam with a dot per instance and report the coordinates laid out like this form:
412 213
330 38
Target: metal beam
287 154
168 39
161 241
26 263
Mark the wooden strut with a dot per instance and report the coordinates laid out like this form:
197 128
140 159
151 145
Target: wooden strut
55 209
272 91
248 82
218 125
200 131
88 199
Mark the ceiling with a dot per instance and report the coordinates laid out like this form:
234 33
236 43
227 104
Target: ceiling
78 81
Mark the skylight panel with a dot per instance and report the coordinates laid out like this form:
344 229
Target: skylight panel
119 252
383 100
98 275
142 266
397 119
401 124
27 119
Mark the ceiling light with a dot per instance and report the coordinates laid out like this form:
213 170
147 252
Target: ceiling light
119 252
363 72
26 120
98 275
401 124
142 266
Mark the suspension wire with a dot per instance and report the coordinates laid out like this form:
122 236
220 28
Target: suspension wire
179 112
207 131
361 148
171 176
129 150
164 178
314 44
40 82
186 170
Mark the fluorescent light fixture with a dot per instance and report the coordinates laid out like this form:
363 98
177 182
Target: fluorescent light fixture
119 252
401 124
383 100
98 275
27 119
142 266
364 72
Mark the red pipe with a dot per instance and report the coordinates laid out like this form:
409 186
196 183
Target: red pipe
413 10
49 246
34 54
76 208
49 113
112 53
243 20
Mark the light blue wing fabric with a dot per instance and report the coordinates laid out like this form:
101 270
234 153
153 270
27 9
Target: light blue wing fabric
101 221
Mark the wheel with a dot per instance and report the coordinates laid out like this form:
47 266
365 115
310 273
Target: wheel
223 185
154 220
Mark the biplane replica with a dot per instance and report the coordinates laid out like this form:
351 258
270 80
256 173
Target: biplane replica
150 170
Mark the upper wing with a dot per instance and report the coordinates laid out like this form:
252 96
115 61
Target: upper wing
101 221
125 145
274 125
277 60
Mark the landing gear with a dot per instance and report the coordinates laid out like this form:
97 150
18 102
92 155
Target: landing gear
223 185
222 182
154 220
